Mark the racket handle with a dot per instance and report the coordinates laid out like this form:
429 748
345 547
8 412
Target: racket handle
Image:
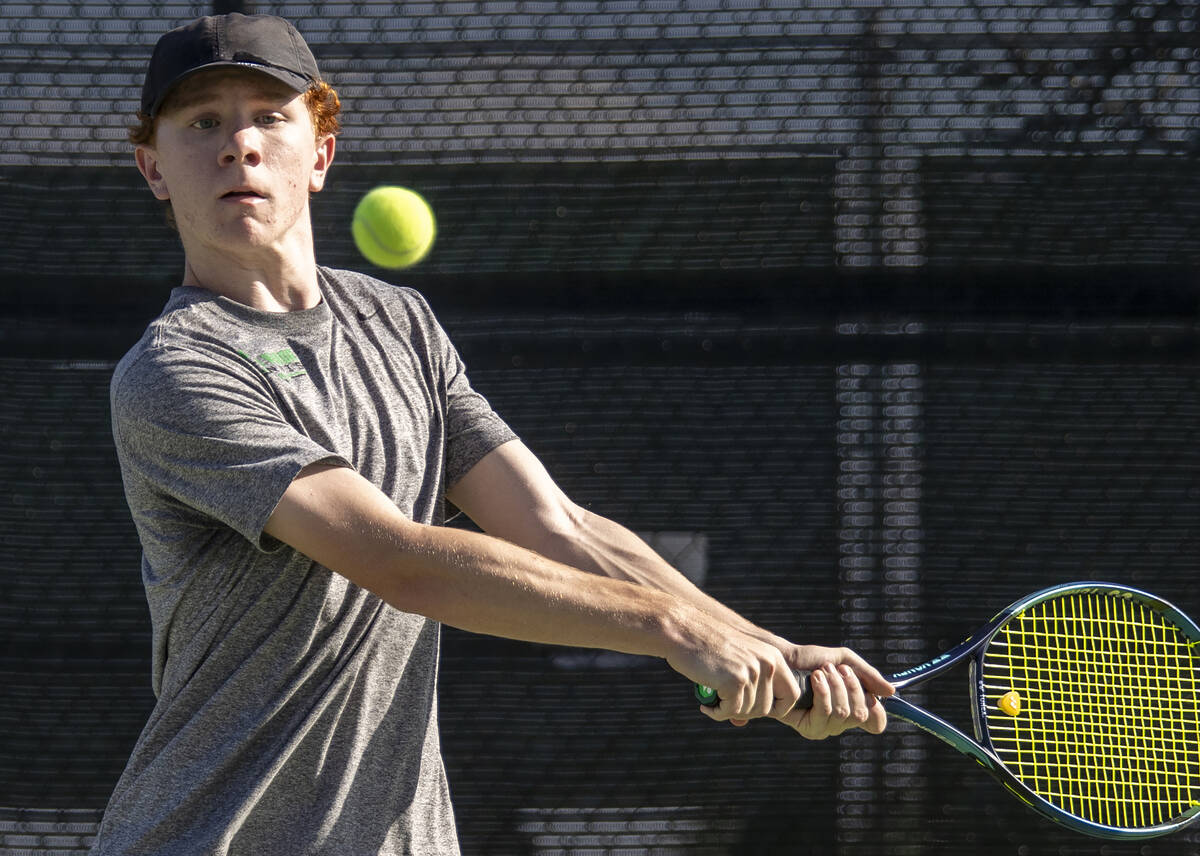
707 696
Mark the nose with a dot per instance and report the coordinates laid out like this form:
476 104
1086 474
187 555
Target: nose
242 145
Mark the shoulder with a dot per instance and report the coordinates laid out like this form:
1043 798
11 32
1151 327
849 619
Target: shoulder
190 323
181 360
352 283
148 363
371 295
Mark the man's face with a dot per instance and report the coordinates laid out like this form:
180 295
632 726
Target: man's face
236 154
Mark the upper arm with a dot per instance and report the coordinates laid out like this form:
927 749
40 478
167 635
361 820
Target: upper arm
336 517
202 441
333 515
509 494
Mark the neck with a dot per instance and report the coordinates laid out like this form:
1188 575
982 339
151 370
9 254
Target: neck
277 280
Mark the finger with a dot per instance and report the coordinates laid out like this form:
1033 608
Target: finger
723 712
876 716
815 722
731 707
748 705
855 695
785 693
764 693
785 705
819 721
839 699
871 678
728 705
740 704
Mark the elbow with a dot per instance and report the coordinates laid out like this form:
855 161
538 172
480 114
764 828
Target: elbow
562 528
566 519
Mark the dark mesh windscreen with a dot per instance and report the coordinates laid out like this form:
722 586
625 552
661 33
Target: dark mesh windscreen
872 317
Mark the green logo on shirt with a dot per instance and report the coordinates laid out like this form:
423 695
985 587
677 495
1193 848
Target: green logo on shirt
283 364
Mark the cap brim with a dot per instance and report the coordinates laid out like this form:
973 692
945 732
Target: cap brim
296 82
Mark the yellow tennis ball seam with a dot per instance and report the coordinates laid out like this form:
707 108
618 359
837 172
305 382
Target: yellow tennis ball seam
377 249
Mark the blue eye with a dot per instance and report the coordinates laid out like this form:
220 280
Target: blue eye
204 124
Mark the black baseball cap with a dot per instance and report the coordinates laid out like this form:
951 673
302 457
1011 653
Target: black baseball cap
260 42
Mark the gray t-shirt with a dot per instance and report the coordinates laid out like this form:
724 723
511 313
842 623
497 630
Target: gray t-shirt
296 711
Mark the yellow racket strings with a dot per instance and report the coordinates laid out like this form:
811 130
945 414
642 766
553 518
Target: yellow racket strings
1109 722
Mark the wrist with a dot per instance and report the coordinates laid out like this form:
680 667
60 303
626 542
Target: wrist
678 623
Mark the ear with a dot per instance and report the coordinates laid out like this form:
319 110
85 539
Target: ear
322 160
147 163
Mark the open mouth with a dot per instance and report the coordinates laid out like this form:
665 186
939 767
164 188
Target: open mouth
242 194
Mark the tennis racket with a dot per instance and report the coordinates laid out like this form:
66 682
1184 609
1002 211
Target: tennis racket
1085 699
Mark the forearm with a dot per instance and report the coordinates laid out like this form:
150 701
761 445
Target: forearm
601 546
510 494
486 585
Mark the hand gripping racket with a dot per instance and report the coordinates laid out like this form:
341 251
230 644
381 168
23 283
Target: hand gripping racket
1086 705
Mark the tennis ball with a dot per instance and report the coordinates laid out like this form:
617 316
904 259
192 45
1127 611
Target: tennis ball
393 227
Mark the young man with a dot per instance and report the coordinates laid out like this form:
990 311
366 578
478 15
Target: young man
287 436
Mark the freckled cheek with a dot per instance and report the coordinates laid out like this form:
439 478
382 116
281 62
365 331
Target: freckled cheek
298 179
186 179
285 165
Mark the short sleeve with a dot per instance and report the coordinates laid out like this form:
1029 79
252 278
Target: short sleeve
473 428
201 439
